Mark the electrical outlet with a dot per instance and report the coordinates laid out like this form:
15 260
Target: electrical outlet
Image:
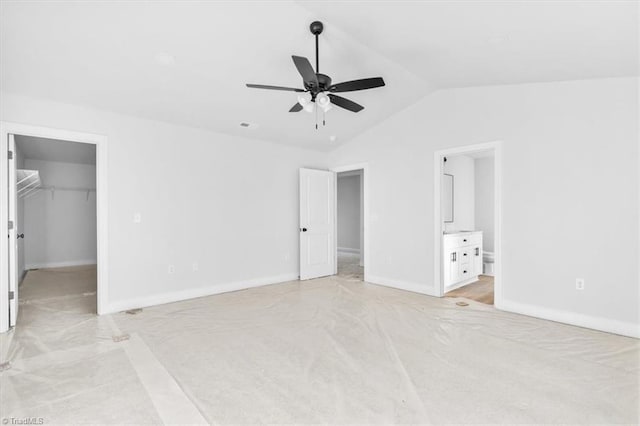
172 269
137 218
287 257
195 266
579 283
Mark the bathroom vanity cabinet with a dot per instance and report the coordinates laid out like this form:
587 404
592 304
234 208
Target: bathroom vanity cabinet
462 258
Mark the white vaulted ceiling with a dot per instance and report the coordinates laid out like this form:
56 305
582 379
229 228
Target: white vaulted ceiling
479 43
105 55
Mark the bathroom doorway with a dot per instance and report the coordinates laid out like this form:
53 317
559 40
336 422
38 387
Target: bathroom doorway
467 210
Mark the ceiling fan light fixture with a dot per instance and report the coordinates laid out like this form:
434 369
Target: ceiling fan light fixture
304 99
309 107
323 100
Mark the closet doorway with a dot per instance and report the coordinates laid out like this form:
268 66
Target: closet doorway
54 193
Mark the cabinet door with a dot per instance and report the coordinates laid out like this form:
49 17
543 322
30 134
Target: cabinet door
450 266
477 260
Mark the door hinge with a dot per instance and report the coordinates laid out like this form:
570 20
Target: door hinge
10 155
10 224
12 295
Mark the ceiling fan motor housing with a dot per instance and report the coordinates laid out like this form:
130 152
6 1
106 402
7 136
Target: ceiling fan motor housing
324 82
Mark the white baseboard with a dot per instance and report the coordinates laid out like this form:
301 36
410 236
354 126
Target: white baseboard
177 296
401 285
60 264
348 250
602 324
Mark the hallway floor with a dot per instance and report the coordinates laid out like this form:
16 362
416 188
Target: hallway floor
330 350
349 266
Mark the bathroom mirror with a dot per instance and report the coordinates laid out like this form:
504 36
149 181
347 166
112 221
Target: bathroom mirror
447 198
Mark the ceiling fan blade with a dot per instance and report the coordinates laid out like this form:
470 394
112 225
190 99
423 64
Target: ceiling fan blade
306 70
262 86
296 108
345 103
362 84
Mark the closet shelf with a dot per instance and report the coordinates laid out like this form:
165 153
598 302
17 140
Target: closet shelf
27 181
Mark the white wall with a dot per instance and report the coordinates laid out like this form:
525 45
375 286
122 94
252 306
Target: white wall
362 218
60 230
484 201
349 213
570 192
228 203
462 169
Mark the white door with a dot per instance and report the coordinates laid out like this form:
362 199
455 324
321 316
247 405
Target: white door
317 219
12 267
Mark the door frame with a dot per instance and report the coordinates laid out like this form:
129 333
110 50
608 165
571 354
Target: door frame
365 201
100 141
438 228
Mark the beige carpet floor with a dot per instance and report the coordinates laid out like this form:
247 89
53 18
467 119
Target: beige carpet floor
331 351
59 282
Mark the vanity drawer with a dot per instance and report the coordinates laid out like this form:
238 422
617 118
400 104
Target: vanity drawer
474 240
462 240
465 272
465 255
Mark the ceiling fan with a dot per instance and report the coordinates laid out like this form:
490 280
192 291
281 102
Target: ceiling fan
318 88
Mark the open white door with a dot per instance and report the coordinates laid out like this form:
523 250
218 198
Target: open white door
317 223
12 267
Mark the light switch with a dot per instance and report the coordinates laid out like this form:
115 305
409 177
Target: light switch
137 218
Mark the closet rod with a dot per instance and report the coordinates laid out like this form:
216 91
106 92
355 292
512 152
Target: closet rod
65 188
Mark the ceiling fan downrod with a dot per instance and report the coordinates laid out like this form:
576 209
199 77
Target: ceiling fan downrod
316 28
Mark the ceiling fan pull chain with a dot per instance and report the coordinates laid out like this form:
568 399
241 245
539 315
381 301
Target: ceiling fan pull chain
323 118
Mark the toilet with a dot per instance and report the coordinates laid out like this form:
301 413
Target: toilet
487 263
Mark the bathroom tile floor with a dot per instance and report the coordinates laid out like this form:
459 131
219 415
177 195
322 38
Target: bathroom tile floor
480 291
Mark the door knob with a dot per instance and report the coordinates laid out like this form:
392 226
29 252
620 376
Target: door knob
303 229
19 236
